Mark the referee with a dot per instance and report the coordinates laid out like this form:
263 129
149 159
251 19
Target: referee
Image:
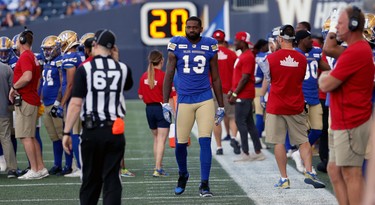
99 86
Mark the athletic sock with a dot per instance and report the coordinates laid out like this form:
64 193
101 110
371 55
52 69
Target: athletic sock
181 157
314 136
57 152
205 157
259 124
75 145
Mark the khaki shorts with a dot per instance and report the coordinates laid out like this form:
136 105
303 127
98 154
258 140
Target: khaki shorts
54 126
26 117
259 110
203 113
229 109
348 147
278 125
315 117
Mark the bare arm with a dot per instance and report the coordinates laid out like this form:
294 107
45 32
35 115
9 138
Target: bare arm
323 65
22 82
168 79
216 81
72 115
327 82
70 78
331 48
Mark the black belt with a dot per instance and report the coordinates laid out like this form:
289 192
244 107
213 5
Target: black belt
153 104
106 123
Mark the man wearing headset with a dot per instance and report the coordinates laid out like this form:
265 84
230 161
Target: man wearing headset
350 85
25 97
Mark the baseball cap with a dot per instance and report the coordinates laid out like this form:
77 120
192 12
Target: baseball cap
302 34
219 35
105 38
287 32
243 36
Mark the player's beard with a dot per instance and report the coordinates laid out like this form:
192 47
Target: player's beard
193 36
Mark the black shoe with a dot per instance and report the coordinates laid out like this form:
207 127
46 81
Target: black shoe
65 170
219 151
54 170
25 171
204 190
181 183
12 174
226 138
236 146
322 167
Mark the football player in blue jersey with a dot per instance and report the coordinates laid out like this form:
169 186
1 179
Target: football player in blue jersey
15 53
310 85
71 60
194 58
50 89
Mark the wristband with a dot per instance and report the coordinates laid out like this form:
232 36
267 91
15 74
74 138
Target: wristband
234 94
13 87
57 103
66 133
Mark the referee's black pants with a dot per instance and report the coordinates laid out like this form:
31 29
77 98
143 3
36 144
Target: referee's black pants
101 153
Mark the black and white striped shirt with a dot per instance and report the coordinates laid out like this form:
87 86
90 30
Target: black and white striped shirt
101 83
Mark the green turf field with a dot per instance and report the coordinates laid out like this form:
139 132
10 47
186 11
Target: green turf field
142 189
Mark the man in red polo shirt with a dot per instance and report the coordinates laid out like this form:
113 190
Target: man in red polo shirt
26 99
243 94
285 69
350 85
226 59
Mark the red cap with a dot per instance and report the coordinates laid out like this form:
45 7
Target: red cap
219 35
243 36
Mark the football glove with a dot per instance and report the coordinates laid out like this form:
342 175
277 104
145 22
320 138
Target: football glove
60 112
53 111
41 110
167 112
262 102
219 116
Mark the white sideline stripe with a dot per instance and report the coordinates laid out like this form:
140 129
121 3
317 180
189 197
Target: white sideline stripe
258 178
73 184
125 198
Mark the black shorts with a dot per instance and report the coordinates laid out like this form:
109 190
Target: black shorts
155 118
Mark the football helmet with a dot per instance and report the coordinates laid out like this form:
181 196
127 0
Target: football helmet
51 47
369 29
68 39
5 49
14 46
85 37
325 27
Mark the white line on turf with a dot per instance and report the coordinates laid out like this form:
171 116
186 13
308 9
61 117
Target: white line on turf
257 179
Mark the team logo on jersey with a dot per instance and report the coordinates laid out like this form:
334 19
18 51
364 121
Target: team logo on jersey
182 46
171 46
289 62
204 47
222 56
146 82
58 63
214 47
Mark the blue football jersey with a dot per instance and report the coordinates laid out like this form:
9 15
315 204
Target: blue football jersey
193 65
51 80
258 72
310 83
70 60
12 61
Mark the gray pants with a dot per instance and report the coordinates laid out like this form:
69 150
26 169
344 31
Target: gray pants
245 124
7 145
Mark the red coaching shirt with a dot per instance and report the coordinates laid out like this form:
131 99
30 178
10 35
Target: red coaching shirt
226 59
350 103
287 71
154 95
28 62
245 64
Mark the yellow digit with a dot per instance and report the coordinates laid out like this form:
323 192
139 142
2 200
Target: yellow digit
158 23
174 27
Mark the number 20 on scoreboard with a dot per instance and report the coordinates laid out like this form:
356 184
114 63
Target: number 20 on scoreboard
160 21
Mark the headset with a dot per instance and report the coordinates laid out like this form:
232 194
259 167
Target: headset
23 35
354 19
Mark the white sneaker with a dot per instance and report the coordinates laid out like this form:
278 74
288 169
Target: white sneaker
3 164
258 157
43 173
289 153
30 175
76 173
264 134
243 158
296 156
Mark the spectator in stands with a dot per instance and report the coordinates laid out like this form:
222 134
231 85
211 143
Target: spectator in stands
5 15
35 10
22 13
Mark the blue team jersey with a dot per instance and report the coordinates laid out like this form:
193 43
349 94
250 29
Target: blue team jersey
12 61
41 60
51 80
193 67
258 72
70 60
310 83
